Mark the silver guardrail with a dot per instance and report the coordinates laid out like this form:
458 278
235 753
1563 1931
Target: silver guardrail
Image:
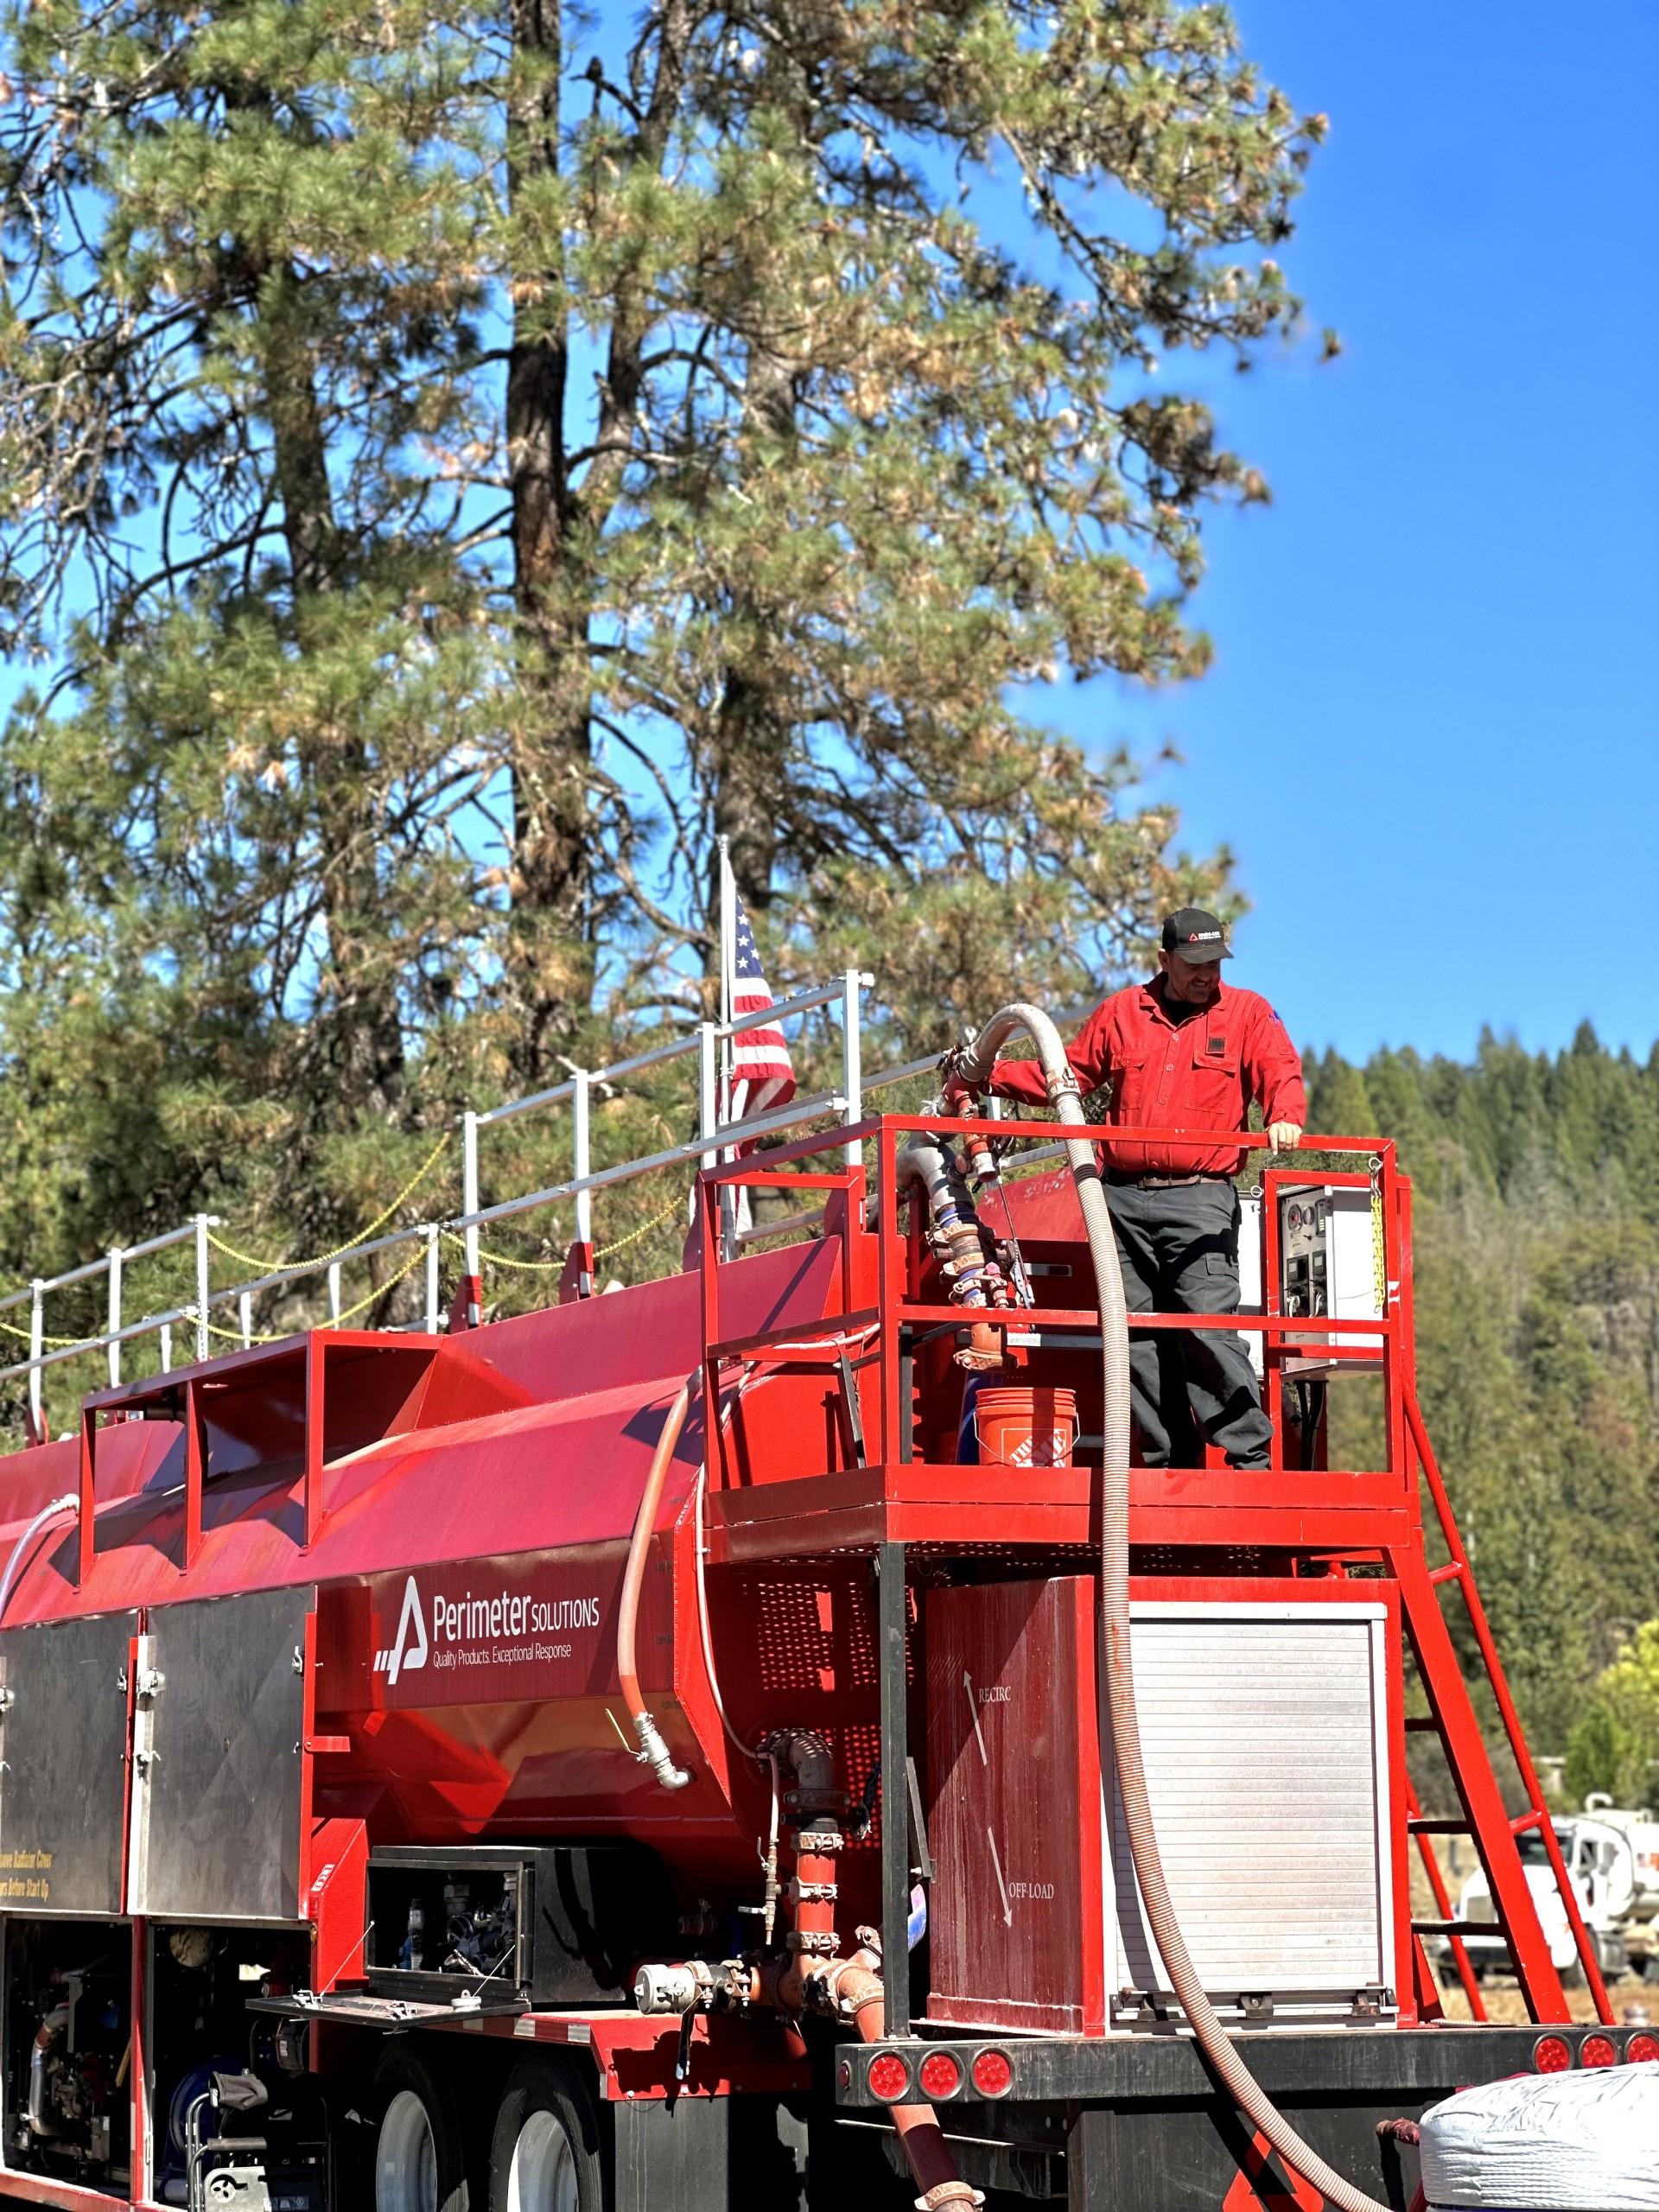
716 1136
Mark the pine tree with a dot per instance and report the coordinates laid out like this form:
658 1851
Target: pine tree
763 459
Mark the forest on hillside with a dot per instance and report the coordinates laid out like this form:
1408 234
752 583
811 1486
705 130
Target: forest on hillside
1537 1257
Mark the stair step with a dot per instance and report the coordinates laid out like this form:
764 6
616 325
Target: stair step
1418 1826
1457 1927
1421 1723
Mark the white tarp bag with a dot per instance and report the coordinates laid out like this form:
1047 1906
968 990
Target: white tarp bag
1580 2142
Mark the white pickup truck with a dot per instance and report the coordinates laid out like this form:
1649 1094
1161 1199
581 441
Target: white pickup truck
1612 1860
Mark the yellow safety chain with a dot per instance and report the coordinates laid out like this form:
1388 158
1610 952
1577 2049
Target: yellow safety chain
259 1336
53 1344
390 1283
1379 1259
502 1259
323 1259
253 1337
603 1252
674 1205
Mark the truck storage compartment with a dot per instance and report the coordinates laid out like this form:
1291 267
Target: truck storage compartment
201 1983
68 2049
221 1780
63 1764
546 1924
1263 1728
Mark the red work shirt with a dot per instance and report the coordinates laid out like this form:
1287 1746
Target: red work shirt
1203 1072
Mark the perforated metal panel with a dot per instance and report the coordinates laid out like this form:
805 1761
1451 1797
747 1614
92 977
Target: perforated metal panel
63 1775
1263 1730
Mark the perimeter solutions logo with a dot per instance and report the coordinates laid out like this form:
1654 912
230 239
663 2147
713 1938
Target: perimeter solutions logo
504 1628
405 1656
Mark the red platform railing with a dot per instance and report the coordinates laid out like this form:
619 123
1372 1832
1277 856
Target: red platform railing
1380 1519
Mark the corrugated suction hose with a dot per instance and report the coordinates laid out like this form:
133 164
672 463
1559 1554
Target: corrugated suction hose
974 1063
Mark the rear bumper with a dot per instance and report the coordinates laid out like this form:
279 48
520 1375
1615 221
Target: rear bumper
1136 2123
1416 2062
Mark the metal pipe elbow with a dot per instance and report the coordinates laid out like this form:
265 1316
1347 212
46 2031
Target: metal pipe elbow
974 1060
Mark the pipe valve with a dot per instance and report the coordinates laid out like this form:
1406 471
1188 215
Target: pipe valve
654 1753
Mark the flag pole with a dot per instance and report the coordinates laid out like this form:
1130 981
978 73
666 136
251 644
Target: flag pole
728 968
732 1205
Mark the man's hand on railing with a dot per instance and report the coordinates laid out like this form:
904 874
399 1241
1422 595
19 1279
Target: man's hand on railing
1284 1136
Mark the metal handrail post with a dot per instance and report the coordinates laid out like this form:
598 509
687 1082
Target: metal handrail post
37 1346
115 1317
852 1069
709 1123
432 1233
245 1317
707 1085
469 1206
204 1285
167 1347
581 1163
334 1292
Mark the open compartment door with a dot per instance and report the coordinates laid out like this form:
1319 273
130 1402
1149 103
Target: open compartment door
63 1764
220 1783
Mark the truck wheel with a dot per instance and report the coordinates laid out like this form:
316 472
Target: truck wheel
418 2162
544 2154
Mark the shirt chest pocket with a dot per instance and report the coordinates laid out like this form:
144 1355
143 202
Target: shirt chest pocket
1215 1076
1134 1083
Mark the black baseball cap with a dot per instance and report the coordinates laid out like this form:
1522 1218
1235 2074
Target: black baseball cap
1197 937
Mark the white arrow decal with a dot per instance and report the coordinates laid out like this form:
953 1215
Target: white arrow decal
1007 1910
973 1708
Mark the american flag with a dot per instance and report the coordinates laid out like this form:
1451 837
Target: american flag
761 1074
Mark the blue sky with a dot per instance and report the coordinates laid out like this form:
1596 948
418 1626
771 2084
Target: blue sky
1430 735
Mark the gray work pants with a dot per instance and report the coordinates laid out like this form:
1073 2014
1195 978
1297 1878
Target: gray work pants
1180 1251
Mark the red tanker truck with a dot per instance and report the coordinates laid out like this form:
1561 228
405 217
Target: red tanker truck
753 1736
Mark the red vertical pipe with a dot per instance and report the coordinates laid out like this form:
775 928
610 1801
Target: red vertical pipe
890 1291
1273 1347
193 1470
314 1343
85 1525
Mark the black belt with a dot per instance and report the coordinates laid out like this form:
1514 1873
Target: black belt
1157 1182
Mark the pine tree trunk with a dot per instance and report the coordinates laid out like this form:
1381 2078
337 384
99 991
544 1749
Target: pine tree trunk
752 732
555 837
359 1029
551 945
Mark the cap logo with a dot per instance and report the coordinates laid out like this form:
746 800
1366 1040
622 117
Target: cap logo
1202 937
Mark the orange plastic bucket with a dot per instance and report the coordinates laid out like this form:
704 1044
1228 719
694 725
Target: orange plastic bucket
1026 1428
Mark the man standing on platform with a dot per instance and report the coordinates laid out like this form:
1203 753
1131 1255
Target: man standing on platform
1181 1052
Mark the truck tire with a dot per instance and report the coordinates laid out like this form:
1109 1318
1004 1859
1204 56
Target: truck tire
544 2153
419 2164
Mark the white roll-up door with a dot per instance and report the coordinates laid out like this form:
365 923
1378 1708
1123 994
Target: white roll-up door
1263 1732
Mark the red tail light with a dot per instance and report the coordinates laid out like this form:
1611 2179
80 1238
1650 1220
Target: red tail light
1552 2054
888 2077
1642 2049
1597 2051
993 2075
939 2075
